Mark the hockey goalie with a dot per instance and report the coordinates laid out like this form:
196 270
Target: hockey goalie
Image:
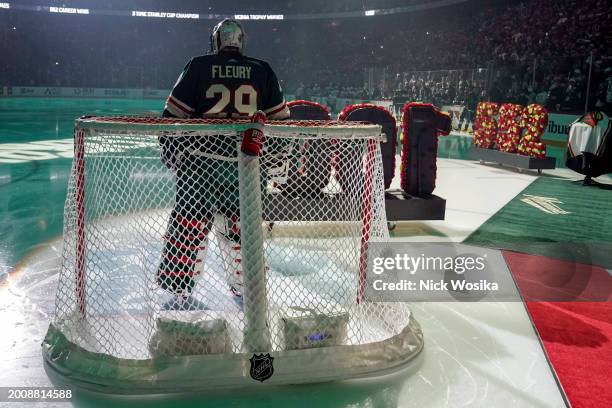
224 84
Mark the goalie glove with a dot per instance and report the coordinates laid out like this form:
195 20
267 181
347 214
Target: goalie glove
253 138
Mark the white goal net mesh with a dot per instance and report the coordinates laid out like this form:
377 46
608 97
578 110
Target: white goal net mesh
178 249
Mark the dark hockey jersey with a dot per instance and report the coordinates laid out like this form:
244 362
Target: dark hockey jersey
589 146
226 85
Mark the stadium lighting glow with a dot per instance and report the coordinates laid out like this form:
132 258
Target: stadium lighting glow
163 14
68 10
259 16
210 16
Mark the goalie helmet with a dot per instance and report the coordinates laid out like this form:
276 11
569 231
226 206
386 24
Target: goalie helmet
228 33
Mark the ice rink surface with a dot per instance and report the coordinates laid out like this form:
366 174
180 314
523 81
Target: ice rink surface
475 354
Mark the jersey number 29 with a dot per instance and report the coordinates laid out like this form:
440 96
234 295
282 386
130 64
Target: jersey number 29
245 99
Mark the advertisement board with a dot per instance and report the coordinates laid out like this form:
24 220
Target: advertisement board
558 127
82 92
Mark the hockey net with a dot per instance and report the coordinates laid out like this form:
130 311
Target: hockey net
183 257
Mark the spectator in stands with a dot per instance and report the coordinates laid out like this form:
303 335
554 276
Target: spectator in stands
548 38
573 100
542 95
496 93
555 95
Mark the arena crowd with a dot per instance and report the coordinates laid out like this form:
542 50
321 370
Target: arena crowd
529 51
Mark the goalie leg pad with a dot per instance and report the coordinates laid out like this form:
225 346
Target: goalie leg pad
186 243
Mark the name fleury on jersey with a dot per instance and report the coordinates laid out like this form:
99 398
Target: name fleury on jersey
231 71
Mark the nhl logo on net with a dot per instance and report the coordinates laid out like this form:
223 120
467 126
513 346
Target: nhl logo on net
261 367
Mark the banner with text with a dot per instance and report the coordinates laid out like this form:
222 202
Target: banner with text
453 272
558 127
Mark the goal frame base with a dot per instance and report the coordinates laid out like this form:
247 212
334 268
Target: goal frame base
111 375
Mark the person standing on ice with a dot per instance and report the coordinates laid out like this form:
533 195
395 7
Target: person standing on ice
225 84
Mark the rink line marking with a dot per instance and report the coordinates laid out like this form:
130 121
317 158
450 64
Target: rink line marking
16 153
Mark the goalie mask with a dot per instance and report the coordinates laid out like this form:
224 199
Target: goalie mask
228 33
